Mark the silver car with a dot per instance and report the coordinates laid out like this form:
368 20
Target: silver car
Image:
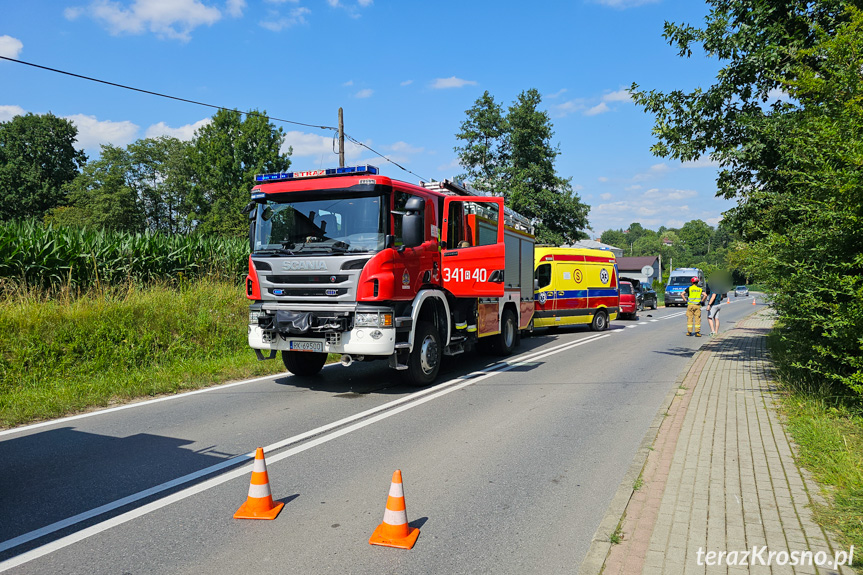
741 291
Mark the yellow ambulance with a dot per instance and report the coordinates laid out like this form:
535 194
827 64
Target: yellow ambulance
575 286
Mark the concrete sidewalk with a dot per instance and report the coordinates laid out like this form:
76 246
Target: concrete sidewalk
716 473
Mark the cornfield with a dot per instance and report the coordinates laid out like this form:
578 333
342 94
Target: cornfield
42 256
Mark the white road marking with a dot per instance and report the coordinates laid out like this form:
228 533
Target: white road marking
413 400
133 405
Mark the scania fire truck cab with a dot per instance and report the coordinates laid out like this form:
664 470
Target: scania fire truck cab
351 262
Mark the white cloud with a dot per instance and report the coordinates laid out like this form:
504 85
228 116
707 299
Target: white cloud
655 171
364 3
9 112
364 93
296 17
632 188
602 179
404 148
10 47
777 94
235 7
618 96
317 146
452 168
568 107
406 83
166 18
184 133
600 108
557 94
700 163
348 83
92 132
605 196
668 195
451 82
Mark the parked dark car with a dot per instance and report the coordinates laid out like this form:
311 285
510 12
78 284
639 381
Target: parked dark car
645 296
628 305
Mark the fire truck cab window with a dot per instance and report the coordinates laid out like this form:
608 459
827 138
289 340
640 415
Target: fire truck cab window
471 224
400 200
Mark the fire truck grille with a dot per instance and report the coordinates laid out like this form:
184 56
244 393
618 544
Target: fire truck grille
302 280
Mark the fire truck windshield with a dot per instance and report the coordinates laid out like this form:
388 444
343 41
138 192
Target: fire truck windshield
321 225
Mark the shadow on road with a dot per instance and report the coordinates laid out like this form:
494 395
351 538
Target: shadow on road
86 471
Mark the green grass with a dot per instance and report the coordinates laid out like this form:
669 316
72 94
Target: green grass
60 356
828 430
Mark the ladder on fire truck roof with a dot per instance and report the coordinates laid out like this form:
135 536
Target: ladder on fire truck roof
511 218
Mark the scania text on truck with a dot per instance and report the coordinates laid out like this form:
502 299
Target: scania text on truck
351 262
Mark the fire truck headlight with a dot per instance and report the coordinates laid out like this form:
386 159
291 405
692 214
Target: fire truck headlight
253 317
373 319
366 320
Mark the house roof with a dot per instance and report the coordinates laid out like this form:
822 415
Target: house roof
636 263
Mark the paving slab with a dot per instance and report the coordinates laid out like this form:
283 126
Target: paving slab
718 477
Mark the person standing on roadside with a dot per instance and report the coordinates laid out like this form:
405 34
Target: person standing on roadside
714 302
694 298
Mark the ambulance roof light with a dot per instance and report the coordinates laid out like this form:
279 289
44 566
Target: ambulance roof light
282 176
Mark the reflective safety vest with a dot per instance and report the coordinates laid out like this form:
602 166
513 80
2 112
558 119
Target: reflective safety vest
694 295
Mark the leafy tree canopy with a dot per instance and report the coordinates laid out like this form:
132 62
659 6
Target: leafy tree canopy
793 162
512 155
227 154
37 158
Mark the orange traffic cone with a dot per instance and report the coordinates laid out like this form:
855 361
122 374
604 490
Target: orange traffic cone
753 301
259 504
394 531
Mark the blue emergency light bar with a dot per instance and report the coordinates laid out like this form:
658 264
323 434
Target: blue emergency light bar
281 176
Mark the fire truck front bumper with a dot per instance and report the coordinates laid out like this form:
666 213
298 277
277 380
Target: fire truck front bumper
367 341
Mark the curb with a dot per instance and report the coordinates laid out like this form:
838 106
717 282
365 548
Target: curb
600 545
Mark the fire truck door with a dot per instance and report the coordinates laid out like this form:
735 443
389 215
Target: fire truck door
473 259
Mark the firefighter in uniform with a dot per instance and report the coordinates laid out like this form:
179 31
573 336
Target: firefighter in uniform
694 298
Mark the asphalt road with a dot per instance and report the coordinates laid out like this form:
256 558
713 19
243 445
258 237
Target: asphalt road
508 466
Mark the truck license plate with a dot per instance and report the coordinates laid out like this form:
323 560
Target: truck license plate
307 346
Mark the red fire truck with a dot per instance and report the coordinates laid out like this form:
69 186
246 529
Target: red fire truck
351 262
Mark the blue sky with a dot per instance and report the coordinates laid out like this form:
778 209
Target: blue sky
404 72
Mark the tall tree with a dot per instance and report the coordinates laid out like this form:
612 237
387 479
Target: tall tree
793 163
37 158
515 152
485 153
102 195
614 238
697 235
228 153
162 179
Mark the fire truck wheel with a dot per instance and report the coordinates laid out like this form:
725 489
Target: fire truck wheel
303 362
424 361
600 321
506 340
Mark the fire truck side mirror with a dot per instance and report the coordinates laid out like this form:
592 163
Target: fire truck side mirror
412 222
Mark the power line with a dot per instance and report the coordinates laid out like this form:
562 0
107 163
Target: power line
165 95
177 98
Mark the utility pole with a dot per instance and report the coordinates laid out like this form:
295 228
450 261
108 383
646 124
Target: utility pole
341 139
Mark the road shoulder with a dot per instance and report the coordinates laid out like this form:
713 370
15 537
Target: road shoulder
715 472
